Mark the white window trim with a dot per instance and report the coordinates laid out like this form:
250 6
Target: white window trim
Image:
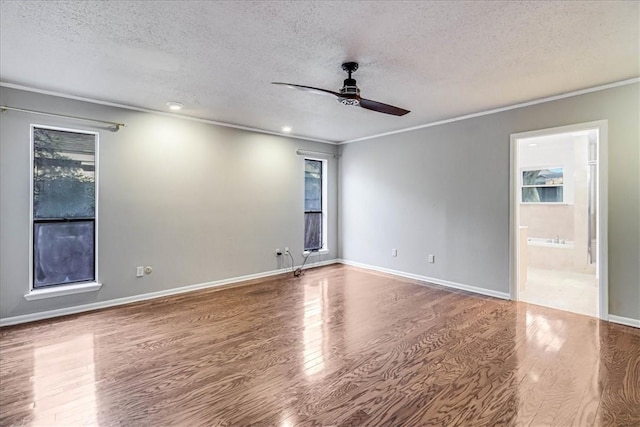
73 288
322 251
61 290
325 195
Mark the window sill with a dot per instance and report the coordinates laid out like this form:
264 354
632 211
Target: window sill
316 253
58 291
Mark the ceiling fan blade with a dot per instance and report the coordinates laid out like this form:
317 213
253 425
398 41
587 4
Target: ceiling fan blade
307 89
382 108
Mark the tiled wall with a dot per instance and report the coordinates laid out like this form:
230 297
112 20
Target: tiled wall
548 221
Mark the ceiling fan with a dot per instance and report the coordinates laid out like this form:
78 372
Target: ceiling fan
350 94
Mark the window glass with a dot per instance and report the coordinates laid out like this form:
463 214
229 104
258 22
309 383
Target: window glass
313 230
542 195
63 252
553 176
313 186
63 174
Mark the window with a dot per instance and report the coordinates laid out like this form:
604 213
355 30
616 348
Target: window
63 206
543 185
314 204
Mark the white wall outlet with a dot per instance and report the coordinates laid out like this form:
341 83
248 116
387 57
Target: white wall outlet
148 270
432 258
394 252
286 250
139 271
278 252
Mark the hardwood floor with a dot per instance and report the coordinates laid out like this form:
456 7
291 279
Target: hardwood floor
339 346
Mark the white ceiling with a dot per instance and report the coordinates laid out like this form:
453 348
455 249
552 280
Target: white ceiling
438 59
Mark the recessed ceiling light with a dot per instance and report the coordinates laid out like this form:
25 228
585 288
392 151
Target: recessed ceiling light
175 106
286 129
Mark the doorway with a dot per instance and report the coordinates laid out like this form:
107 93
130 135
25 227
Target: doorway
558 218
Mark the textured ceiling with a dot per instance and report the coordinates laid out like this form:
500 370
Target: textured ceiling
438 59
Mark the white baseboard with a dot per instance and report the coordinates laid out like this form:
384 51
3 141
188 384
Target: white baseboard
628 321
15 320
446 283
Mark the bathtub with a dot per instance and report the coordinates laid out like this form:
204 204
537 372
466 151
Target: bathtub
550 243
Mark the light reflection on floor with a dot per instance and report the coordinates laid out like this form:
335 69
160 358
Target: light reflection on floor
557 352
315 305
546 334
65 397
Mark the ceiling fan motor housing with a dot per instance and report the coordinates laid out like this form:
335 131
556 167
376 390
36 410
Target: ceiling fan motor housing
350 93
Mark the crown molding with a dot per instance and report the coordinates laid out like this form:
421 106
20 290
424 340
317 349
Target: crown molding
364 138
501 109
161 113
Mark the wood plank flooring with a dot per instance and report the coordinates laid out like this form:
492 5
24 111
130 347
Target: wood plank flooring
339 346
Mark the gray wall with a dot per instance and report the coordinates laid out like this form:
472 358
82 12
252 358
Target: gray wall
444 190
200 202
197 202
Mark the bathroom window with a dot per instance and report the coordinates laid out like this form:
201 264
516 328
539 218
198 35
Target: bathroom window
63 206
543 185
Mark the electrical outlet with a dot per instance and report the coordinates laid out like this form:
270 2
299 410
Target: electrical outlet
139 271
432 258
286 250
148 270
278 252
394 252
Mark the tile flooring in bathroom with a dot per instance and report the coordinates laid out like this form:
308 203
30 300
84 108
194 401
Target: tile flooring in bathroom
563 290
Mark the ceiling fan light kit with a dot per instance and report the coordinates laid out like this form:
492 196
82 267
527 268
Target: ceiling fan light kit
350 94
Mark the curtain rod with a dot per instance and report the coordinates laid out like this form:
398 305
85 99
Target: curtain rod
301 151
116 126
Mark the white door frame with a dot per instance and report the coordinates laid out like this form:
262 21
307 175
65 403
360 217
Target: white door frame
514 219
